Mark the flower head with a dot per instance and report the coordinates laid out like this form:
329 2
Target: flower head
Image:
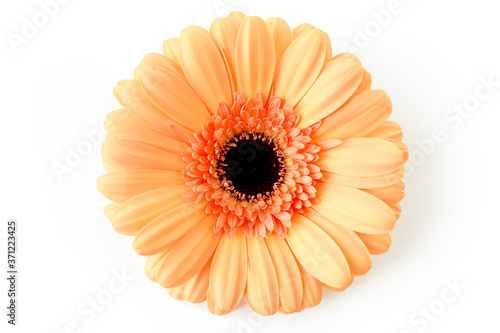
249 161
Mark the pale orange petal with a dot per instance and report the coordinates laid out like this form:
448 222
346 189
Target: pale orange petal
317 252
334 86
301 29
358 116
390 194
363 182
122 118
109 210
366 83
282 36
204 68
171 49
255 58
300 66
196 289
224 32
189 255
158 60
213 308
388 130
361 157
228 275
153 263
148 137
376 244
176 293
313 292
164 231
237 17
354 209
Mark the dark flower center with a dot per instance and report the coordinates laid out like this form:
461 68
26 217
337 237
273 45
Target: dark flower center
252 166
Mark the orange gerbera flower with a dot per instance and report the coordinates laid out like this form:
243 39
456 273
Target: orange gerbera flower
247 161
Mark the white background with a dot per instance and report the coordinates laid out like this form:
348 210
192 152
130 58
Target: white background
431 56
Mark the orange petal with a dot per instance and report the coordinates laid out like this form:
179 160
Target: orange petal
237 17
120 186
204 68
148 137
224 32
153 263
313 292
110 209
159 60
361 157
262 292
334 86
196 289
288 273
174 97
301 29
213 308
122 118
165 230
363 182
354 209
402 147
176 293
358 116
228 275
255 58
300 66
126 155
317 252
171 49
376 244
390 194
346 55
282 36
352 247
138 211
388 130
365 85
189 255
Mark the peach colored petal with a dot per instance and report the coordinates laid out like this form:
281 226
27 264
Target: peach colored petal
122 118
109 210
300 66
213 308
237 17
153 263
120 186
364 182
176 293
228 275
361 157
171 49
138 211
402 147
149 137
376 244
301 29
189 255
255 58
354 209
126 155
204 68
282 36
390 194
346 55
388 130
313 292
353 249
174 97
164 231
334 86
366 83
196 289
317 252
224 32
159 60
358 116
288 273
262 292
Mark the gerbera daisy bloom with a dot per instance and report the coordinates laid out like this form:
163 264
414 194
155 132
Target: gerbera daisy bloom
249 162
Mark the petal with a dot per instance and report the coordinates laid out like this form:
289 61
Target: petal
153 263
228 275
237 17
255 58
204 68
122 118
288 274
159 60
355 252
262 291
196 289
120 186
334 86
110 209
125 155
189 255
361 157
165 230
149 137
171 49
313 292
376 244
354 209
388 130
301 29
346 55
213 308
390 194
366 83
317 252
224 32
176 293
174 97
402 147
282 36
138 211
363 182
131 95
300 66
358 116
